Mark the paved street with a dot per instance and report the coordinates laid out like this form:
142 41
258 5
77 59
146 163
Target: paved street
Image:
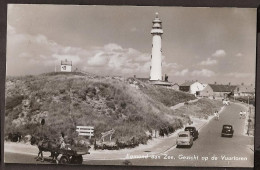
209 144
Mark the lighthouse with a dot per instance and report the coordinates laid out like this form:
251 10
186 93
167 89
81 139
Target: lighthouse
156 57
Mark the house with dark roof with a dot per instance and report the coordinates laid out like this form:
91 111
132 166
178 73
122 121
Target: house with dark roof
192 87
244 90
218 90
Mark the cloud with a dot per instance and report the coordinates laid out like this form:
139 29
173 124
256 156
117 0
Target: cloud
208 62
219 53
112 47
239 54
41 53
98 60
203 72
240 75
74 58
182 73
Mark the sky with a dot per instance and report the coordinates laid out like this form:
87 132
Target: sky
205 44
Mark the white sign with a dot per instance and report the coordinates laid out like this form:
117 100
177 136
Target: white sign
65 68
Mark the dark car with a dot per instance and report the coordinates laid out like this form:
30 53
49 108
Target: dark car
193 131
227 130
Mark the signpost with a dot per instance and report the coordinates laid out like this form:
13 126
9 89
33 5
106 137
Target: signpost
85 131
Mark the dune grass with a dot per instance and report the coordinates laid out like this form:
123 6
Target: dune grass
67 100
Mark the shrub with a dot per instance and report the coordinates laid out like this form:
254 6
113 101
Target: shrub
14 101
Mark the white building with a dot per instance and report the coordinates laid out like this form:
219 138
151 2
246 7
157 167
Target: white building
192 87
156 57
66 66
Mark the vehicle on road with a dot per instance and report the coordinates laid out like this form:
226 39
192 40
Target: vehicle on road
184 139
193 131
72 156
227 130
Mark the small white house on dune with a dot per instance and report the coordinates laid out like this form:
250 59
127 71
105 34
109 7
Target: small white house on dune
66 66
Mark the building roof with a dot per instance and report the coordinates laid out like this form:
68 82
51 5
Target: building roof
188 83
245 89
176 84
161 83
143 79
222 88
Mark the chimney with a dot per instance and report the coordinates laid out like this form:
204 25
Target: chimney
166 78
134 76
215 82
242 84
229 83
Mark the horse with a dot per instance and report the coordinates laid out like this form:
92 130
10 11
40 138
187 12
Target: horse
45 145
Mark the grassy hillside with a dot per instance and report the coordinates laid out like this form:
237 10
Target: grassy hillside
65 100
202 108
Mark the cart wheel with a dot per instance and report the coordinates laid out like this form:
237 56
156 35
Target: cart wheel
77 159
64 160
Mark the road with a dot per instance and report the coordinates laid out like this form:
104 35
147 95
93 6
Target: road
209 145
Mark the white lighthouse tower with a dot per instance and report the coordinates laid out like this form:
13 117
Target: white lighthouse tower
156 57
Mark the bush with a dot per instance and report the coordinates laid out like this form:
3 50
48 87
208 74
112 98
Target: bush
14 101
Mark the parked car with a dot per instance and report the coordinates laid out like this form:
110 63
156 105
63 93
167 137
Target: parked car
193 131
184 139
227 130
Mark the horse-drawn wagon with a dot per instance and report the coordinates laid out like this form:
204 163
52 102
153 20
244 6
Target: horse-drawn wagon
72 156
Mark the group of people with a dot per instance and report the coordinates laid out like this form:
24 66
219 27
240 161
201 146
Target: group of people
242 114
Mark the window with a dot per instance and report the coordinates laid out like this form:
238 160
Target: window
183 135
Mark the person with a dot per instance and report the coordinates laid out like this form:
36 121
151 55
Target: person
244 114
216 115
240 114
61 141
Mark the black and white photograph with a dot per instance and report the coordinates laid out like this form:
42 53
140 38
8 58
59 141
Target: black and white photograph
130 85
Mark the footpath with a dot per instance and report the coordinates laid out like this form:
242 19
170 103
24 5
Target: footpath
182 104
155 146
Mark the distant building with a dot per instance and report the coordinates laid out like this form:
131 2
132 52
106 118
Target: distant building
244 90
176 86
193 87
218 90
207 91
66 66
